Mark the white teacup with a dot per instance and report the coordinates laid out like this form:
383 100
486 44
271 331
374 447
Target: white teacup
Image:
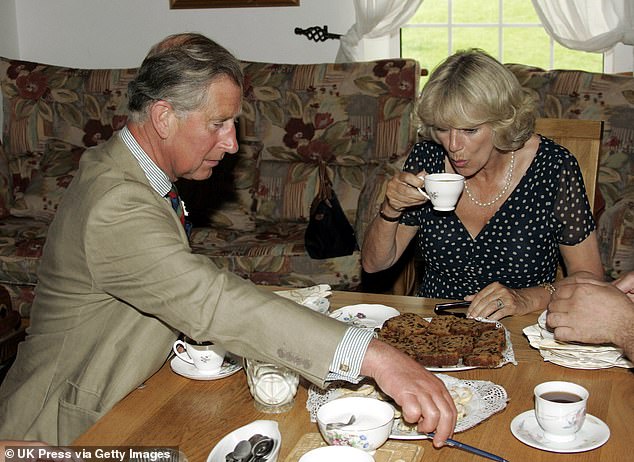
560 409
205 358
444 189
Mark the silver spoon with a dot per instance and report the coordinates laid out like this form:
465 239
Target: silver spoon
262 448
242 452
336 425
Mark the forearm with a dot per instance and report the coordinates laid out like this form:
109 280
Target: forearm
385 239
379 250
624 336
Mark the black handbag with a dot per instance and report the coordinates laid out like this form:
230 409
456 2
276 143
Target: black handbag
329 233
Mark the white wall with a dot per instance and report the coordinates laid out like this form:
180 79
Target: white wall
118 33
8 29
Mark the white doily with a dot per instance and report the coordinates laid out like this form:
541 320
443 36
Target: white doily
488 398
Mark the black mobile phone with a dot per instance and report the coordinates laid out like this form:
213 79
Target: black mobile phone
447 308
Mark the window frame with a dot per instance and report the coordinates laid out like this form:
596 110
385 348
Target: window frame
396 39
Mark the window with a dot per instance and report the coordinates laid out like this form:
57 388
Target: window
509 30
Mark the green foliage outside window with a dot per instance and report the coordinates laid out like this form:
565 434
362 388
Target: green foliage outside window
509 30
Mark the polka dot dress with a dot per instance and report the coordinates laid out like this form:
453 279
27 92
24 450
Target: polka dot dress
518 247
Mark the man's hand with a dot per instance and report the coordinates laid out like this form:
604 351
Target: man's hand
626 284
422 396
591 311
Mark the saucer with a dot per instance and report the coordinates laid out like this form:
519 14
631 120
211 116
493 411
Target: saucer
229 367
369 316
593 434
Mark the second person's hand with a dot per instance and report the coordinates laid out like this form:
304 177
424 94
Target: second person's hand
496 301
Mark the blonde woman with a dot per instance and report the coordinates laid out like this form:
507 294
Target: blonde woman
523 206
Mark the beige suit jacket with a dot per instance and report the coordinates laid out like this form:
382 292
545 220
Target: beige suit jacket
117 282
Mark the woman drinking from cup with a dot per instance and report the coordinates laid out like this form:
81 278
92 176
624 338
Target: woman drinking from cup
523 205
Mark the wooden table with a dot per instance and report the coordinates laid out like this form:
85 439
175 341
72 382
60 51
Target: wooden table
171 410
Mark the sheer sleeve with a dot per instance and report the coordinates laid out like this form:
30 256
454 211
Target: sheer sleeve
572 209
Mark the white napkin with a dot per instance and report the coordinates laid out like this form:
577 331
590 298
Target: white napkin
574 355
313 297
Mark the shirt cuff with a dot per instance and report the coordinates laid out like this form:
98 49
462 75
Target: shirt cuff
346 364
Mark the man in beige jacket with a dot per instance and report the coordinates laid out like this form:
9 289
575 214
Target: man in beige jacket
118 281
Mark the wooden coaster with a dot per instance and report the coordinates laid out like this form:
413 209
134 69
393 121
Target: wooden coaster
391 451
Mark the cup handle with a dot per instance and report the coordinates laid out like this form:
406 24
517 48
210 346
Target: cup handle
184 356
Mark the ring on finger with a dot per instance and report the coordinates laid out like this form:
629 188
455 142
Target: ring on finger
499 303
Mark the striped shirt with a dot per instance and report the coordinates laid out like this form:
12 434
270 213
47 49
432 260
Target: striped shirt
346 364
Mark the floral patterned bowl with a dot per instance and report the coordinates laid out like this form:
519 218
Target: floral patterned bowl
371 427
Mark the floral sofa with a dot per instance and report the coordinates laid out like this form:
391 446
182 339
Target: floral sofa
251 215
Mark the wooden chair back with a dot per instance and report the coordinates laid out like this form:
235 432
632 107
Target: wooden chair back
583 139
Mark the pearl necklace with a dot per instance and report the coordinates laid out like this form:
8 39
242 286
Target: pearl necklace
507 184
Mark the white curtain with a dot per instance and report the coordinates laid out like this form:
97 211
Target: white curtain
588 25
375 18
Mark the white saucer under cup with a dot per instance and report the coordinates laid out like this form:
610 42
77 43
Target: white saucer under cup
593 434
229 367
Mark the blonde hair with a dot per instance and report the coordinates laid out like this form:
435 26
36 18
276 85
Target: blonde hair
472 88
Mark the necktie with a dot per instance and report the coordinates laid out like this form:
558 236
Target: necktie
177 205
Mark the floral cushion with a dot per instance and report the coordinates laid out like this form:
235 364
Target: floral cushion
21 244
47 110
43 102
593 96
616 237
53 174
6 195
348 115
275 255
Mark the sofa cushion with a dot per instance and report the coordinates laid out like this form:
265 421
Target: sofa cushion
49 181
21 245
42 102
616 236
275 255
6 185
348 115
591 96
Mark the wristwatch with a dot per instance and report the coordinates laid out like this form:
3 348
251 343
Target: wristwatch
388 218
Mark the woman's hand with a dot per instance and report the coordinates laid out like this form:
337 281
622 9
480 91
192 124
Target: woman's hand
402 192
497 301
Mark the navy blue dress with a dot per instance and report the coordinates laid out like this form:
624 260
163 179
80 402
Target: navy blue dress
518 247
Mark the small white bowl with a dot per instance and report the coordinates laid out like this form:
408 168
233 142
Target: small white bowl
371 428
336 454
262 427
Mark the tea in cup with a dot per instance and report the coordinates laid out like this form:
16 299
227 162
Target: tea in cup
444 190
560 409
206 357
